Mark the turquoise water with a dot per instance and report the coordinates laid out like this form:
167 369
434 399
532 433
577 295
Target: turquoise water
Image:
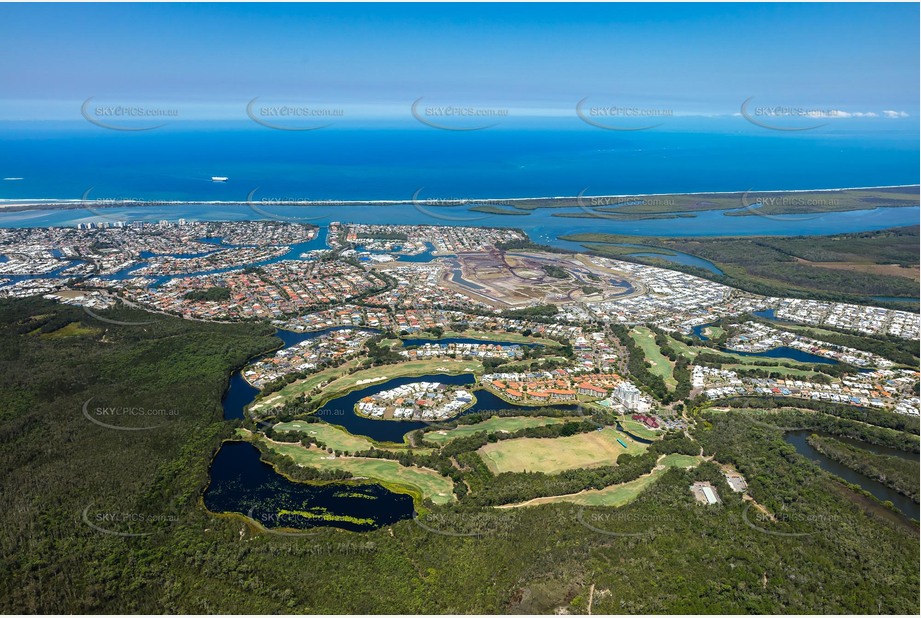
540 226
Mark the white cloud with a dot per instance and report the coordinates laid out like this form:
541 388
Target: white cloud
893 114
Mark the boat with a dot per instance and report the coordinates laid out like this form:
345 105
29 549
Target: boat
219 179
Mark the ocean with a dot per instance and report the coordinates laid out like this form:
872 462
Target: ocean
398 162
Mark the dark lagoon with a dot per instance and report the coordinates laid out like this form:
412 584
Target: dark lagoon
781 352
242 483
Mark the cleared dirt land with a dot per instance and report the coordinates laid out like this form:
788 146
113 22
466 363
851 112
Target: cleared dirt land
550 455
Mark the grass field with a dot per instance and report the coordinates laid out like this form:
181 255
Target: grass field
492 425
621 494
298 388
328 435
640 430
420 481
659 363
339 439
74 329
713 332
550 455
677 460
689 352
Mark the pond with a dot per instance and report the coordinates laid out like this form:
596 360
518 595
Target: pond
242 483
799 440
698 331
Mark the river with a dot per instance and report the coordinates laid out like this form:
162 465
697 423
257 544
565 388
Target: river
799 440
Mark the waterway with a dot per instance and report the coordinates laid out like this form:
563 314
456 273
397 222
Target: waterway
799 440
242 483
240 393
341 411
698 331
897 299
675 256
540 225
781 352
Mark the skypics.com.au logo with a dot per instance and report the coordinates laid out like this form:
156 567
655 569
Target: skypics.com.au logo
454 117
297 116
620 117
124 116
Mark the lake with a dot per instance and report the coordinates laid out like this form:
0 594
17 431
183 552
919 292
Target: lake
787 352
242 483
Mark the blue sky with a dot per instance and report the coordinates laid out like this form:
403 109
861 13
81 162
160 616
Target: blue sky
538 59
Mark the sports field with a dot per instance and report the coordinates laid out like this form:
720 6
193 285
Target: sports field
421 481
379 375
551 455
339 439
621 494
494 424
658 362
328 435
